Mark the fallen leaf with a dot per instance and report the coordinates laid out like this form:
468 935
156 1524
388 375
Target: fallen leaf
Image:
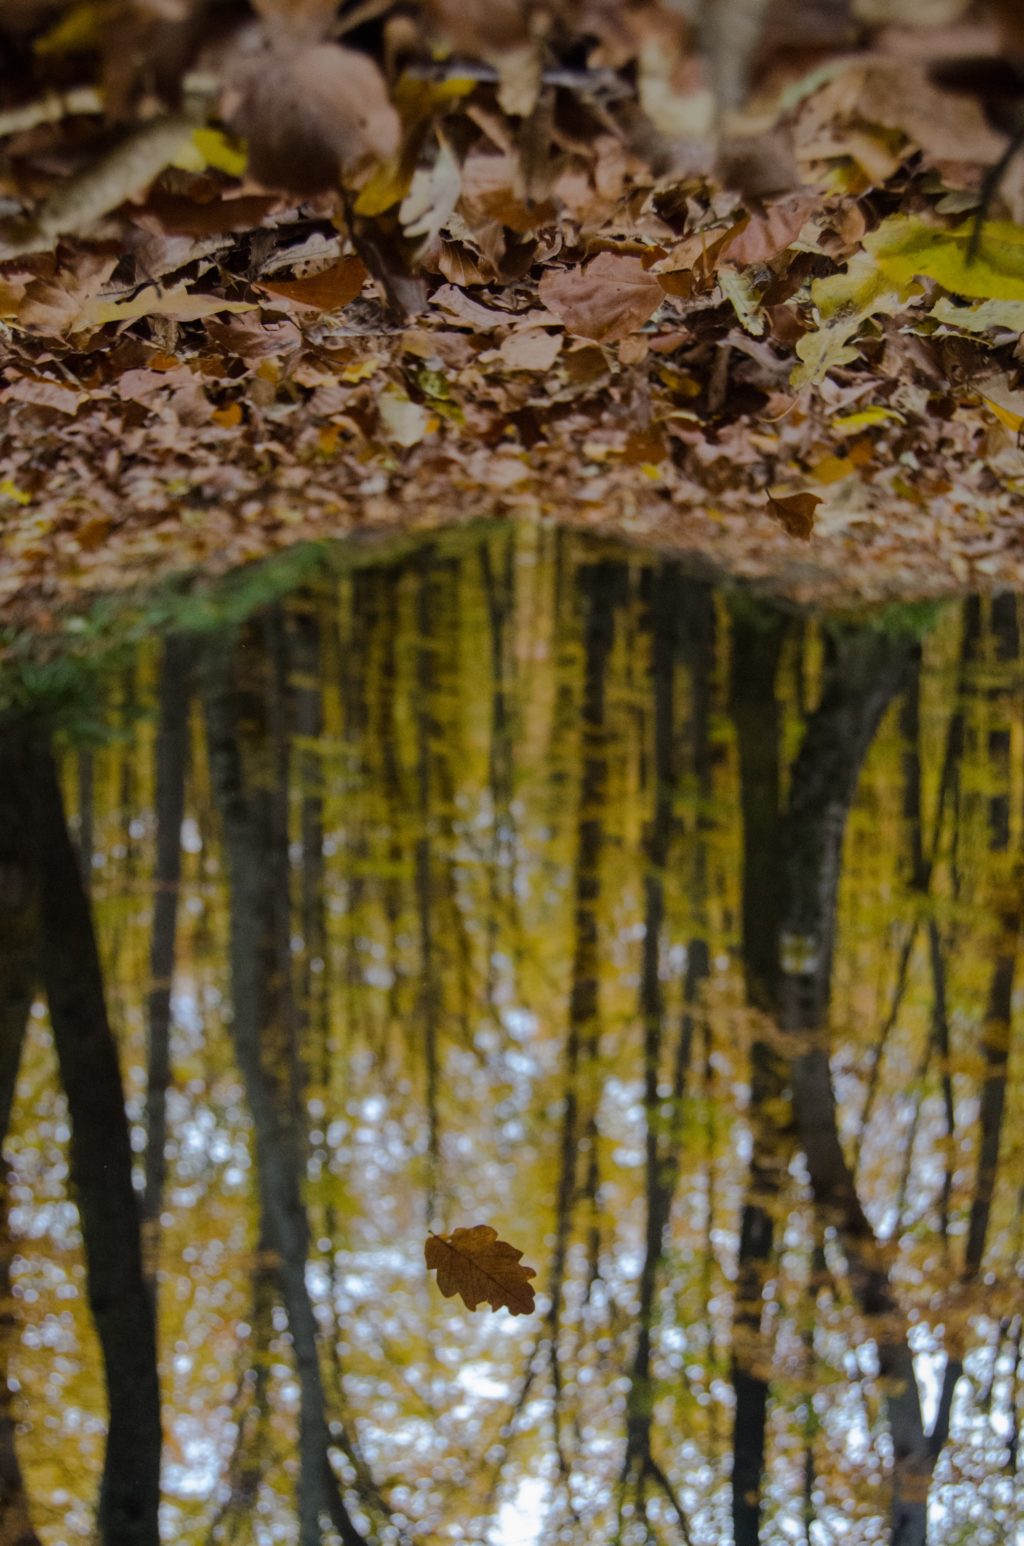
1003 400
845 302
406 422
765 235
741 292
41 392
178 302
983 317
433 194
482 1268
329 290
609 297
907 247
794 512
180 216
532 348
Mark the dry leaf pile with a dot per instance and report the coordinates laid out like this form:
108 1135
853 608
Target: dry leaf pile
277 270
482 1269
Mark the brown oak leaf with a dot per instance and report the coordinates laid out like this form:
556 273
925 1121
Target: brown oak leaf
482 1268
795 512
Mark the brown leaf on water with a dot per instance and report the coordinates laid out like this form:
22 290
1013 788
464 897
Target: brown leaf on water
610 297
329 290
794 512
482 1268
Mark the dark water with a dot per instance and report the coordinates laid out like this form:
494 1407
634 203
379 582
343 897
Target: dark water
523 883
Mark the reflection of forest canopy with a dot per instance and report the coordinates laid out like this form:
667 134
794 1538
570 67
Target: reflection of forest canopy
448 863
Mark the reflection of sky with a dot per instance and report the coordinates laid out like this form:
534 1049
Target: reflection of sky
520 1519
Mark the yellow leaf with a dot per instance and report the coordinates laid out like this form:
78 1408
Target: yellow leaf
81 27
406 422
865 418
11 491
845 302
908 247
181 304
985 316
219 150
229 417
482 1268
832 469
1014 421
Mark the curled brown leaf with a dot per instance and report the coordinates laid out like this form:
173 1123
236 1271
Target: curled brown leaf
794 512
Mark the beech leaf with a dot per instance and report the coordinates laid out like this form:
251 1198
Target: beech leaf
607 298
482 1268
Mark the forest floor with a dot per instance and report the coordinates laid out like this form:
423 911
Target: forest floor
280 271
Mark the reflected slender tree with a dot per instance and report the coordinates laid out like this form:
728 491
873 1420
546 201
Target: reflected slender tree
101 1161
241 708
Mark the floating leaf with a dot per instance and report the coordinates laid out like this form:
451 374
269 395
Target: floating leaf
482 1268
794 512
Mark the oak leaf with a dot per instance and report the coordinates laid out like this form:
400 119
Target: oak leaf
482 1268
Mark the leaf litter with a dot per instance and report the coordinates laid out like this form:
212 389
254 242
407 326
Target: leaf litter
284 273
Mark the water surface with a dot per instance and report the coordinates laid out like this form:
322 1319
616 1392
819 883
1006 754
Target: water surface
523 882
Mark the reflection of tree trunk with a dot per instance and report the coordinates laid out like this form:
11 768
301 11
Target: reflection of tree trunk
243 761
101 1164
499 590
19 971
664 1136
85 844
756 644
250 1456
999 1006
427 734
600 586
307 683
652 1009
171 754
862 672
996 1027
